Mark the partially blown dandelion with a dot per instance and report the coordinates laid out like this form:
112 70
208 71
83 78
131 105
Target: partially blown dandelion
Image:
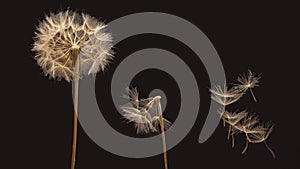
146 114
70 45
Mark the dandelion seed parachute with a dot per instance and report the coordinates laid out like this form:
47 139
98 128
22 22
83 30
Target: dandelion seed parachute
248 82
233 118
59 35
133 96
225 96
261 133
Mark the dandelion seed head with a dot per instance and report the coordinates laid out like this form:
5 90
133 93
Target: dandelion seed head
157 97
143 113
60 35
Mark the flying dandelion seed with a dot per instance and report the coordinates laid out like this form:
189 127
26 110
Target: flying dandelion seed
242 122
225 96
233 119
254 131
261 134
248 81
70 45
246 126
146 114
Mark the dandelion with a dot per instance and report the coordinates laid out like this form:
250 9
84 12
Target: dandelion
248 81
232 119
68 46
246 126
254 131
248 123
258 137
146 114
225 96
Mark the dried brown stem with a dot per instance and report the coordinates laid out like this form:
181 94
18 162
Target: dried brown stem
253 95
232 140
229 132
75 118
271 151
163 135
246 146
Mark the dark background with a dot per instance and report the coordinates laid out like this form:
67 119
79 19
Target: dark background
37 121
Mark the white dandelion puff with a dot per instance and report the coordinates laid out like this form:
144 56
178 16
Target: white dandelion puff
63 38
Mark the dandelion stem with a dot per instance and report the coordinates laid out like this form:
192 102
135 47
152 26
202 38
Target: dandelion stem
271 151
253 95
163 135
246 146
223 111
229 131
75 100
232 140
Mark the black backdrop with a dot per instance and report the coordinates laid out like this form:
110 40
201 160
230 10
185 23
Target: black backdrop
37 121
